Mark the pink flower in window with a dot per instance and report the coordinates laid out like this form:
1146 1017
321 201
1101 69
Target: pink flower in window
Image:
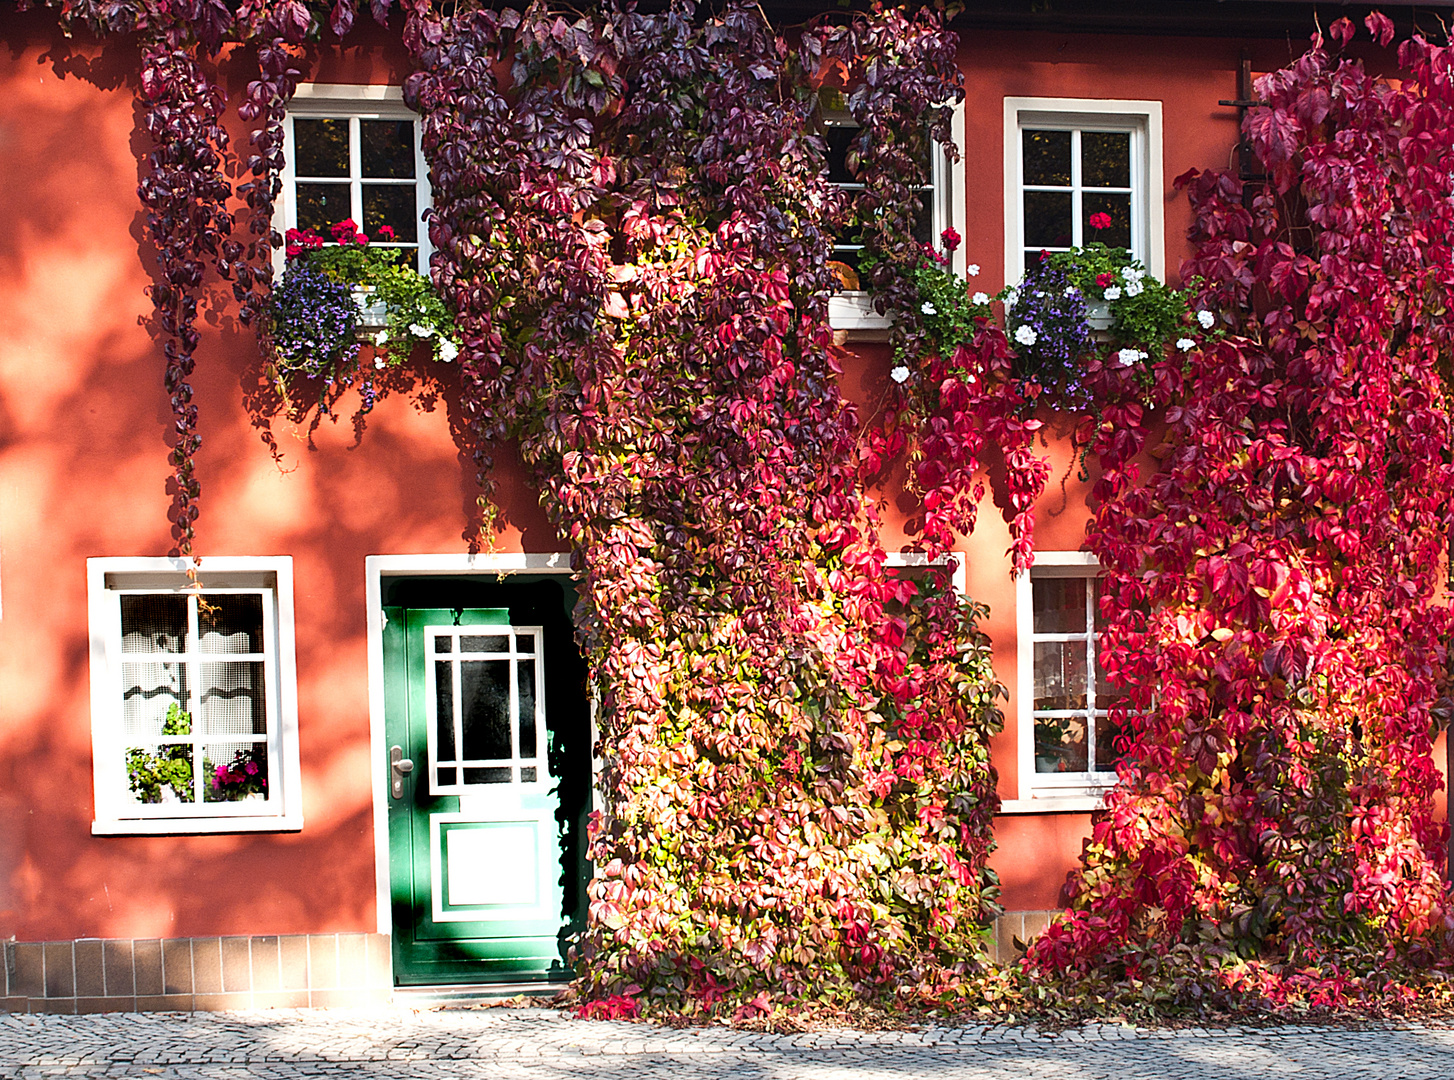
1100 221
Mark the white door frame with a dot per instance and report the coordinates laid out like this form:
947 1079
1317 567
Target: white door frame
376 568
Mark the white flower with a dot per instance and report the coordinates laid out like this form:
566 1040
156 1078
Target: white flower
1185 344
1113 293
379 362
1127 357
899 374
448 350
981 298
972 269
929 309
1010 298
421 331
1025 335
1206 318
1071 290
1135 289
1130 273
381 338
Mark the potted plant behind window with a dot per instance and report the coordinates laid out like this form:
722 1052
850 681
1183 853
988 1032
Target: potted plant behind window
166 775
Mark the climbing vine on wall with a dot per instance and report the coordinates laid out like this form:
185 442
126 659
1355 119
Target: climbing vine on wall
1275 601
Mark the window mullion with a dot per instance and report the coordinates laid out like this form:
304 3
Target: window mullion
355 170
192 683
1076 192
1090 675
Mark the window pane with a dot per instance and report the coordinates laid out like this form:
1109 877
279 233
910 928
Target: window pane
155 623
1119 209
388 148
1106 693
1059 605
1047 157
234 772
1047 219
525 643
444 706
485 709
322 148
148 693
527 776
392 205
231 624
838 137
160 774
1105 159
231 699
323 205
1106 753
1060 675
525 681
1060 744
443 643
924 221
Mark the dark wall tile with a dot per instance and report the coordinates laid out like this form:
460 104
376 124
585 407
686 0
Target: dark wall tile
236 965
90 969
26 963
177 966
207 965
105 1004
147 962
60 970
120 980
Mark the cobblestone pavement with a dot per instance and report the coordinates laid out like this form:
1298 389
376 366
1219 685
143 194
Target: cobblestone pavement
539 1044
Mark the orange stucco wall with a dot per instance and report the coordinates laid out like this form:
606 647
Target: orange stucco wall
83 472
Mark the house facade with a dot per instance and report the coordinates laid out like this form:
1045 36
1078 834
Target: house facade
208 788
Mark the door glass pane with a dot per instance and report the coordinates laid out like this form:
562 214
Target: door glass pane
388 148
392 205
154 623
321 206
1047 219
1117 208
477 644
1060 675
525 676
322 147
1105 158
1047 157
525 643
444 707
231 699
443 643
527 775
485 709
1059 605
231 624
492 775
234 772
1061 744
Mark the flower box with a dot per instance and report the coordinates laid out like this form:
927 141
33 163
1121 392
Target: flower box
373 313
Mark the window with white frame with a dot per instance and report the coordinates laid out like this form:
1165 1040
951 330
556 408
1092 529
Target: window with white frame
1069 160
1067 737
941 208
193 701
353 152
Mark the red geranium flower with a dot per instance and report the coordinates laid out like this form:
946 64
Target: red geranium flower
1100 221
950 238
1106 280
344 231
384 232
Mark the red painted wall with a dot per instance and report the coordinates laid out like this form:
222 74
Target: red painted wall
83 468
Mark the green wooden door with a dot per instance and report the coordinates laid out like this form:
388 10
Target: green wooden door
474 843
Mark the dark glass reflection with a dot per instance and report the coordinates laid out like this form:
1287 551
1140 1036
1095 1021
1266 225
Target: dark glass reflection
392 205
525 675
1047 157
1118 207
322 205
387 150
1047 219
1105 159
321 147
484 687
444 698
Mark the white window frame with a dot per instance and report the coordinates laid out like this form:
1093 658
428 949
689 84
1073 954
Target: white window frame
1142 119
1045 792
353 102
852 310
107 579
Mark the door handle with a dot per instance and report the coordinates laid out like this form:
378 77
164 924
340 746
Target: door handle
399 767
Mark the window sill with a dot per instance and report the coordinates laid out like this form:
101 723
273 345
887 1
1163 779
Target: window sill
852 312
1053 804
196 826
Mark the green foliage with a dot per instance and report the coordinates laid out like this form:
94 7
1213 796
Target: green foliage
171 765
